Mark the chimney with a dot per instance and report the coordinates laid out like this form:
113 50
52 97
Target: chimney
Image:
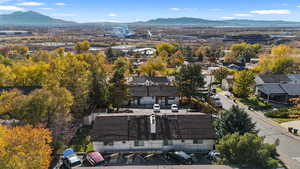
152 124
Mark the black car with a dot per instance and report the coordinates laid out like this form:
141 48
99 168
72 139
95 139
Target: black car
180 157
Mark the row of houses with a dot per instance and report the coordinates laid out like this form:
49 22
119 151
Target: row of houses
146 91
191 132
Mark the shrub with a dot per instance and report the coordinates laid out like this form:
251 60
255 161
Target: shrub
281 113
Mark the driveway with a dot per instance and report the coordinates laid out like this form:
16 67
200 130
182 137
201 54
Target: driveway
289 148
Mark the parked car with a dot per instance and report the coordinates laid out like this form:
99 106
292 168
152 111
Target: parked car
217 102
212 155
70 159
180 157
156 108
94 159
174 108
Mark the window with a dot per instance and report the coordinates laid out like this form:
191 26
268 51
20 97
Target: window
168 142
139 143
197 141
108 143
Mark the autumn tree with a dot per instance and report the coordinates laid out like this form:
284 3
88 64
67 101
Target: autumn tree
82 47
167 47
280 61
25 147
243 51
176 59
212 53
99 74
153 67
189 80
118 89
220 74
6 76
243 80
72 72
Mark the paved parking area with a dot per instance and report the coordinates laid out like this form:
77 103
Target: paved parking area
146 159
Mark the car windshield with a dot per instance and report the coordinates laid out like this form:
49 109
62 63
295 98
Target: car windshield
76 164
182 154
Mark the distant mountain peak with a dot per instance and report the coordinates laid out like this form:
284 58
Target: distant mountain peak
30 18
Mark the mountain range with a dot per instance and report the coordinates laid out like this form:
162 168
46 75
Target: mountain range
31 18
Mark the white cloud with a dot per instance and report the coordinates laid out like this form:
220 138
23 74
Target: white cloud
227 17
31 4
175 9
60 4
298 6
242 14
112 14
47 9
272 11
10 8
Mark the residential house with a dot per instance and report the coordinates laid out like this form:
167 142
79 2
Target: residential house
227 83
278 88
190 132
146 91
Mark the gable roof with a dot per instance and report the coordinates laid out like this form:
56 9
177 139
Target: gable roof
274 78
291 89
144 79
151 91
122 127
271 89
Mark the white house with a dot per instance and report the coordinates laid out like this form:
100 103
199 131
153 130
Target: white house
190 132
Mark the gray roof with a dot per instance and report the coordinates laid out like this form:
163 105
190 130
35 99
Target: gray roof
294 77
150 91
274 78
122 127
291 89
271 89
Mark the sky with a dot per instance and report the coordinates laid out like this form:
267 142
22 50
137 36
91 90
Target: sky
141 10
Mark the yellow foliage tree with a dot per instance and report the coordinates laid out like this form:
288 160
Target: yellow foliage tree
25 147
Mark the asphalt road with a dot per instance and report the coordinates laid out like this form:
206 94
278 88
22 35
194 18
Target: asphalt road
289 148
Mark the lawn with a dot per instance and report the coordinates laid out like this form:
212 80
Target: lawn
254 103
282 120
284 115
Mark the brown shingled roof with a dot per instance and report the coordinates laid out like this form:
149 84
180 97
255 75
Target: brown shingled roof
136 127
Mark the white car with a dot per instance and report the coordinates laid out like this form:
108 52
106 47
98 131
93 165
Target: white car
212 155
174 108
156 108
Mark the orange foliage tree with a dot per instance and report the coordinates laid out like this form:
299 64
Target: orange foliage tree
25 147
